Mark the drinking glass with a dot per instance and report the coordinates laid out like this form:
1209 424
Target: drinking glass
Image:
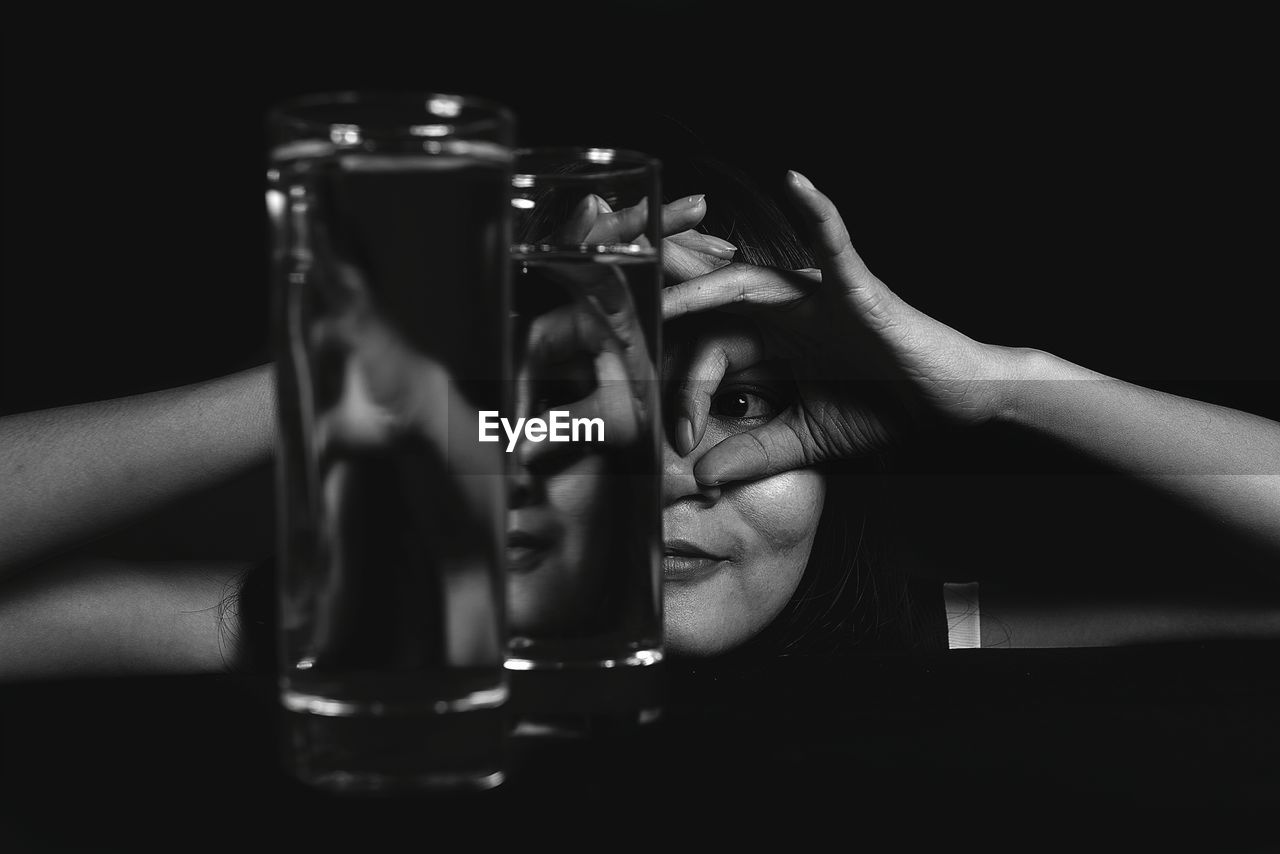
391 284
584 532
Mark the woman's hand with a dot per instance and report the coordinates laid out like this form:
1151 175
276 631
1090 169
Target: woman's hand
686 252
868 365
600 325
572 362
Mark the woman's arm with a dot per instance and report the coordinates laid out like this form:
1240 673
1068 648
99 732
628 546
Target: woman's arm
96 617
73 473
1221 461
1013 618
870 365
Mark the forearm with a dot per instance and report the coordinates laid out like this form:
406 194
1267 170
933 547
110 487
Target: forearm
88 617
72 473
1224 462
1014 618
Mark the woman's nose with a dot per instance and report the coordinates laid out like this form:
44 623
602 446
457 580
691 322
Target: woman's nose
678 481
522 487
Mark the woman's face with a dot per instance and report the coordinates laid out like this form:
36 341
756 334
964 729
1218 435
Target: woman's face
557 545
733 554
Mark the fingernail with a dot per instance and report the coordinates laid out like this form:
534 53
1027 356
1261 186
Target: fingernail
723 471
684 436
714 480
602 205
801 180
717 247
688 201
589 206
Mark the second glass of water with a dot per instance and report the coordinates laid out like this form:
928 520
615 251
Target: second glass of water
583 446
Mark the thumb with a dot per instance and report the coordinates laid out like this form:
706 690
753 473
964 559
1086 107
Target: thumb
841 265
769 449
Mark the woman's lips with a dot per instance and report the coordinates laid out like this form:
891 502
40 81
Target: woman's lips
525 551
685 561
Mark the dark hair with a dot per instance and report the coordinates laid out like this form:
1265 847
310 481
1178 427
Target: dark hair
247 621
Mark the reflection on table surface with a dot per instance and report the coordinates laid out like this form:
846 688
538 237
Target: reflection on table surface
1188 729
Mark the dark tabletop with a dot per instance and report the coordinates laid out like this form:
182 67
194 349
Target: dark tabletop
1179 742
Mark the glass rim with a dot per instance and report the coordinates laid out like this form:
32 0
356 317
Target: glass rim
627 161
291 112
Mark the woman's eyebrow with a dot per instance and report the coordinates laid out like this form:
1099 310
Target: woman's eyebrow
766 370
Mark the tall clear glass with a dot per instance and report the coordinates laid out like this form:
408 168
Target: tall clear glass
584 533
391 232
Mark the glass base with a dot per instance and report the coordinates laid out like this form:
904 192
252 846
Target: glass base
370 754
532 724
585 699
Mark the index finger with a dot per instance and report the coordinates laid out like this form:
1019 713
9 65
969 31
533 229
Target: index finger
737 284
621 226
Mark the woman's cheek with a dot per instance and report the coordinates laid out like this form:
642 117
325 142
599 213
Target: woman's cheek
783 508
576 492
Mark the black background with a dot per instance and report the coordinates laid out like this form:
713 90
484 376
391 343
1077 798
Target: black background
1098 186
1092 186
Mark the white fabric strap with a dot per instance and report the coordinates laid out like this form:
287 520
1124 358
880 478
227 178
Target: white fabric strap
964 617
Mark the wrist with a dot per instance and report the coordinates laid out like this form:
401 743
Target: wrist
1025 371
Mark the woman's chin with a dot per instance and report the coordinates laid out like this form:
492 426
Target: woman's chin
694 648
689 634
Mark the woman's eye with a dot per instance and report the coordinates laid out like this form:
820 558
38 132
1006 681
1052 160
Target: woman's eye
742 404
566 382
